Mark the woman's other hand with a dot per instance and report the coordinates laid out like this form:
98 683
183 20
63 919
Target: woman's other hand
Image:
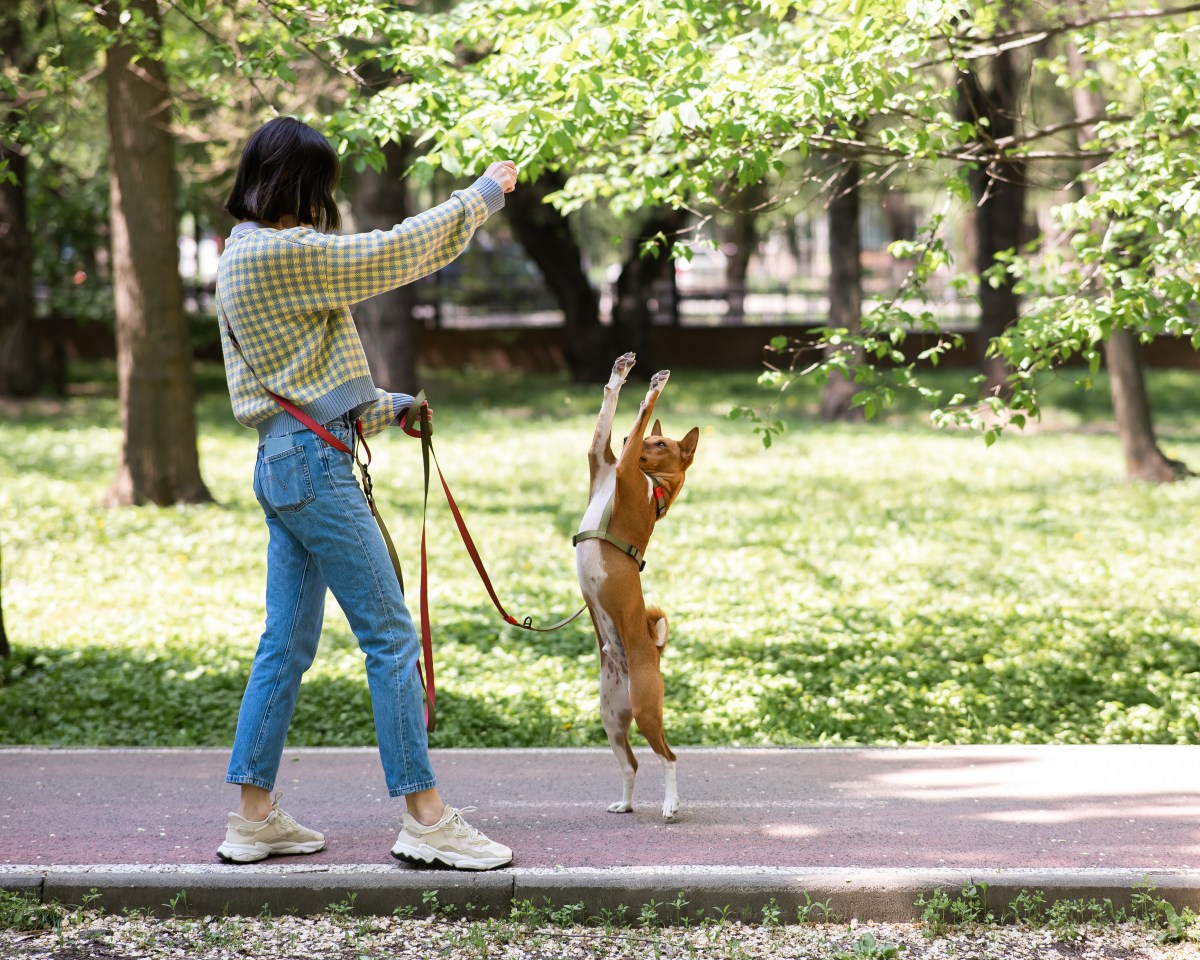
504 172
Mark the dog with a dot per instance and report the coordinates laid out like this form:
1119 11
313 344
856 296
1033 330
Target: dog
626 496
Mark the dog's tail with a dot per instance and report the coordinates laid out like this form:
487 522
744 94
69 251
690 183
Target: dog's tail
656 621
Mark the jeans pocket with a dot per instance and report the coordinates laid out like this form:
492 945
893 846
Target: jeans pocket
286 483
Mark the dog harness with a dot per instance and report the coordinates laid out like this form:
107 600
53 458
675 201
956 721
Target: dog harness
660 505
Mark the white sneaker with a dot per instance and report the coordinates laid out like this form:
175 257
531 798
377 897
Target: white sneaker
247 841
450 842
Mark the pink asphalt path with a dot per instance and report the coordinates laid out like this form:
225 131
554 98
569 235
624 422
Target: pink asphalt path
1127 807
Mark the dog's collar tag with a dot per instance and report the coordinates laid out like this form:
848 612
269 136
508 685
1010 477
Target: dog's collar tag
660 497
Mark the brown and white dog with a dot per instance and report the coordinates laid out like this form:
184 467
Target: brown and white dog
627 496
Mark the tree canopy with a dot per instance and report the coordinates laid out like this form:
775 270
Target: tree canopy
681 102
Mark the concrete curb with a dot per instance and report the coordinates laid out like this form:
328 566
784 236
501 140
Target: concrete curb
740 893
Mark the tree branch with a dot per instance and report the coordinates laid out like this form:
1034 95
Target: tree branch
221 41
1017 39
312 50
973 154
1007 143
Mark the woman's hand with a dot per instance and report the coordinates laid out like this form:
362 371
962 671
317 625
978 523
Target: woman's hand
410 417
504 173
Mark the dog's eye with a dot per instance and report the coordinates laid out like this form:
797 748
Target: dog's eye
661 444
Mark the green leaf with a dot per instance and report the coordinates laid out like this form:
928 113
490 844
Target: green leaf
664 126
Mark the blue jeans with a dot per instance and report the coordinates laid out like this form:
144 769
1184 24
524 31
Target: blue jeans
322 534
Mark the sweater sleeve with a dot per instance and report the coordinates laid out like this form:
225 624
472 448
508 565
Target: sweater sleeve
362 265
384 413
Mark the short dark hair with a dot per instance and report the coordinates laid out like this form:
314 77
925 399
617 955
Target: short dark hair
287 168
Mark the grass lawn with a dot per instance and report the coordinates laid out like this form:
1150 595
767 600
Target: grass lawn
880 583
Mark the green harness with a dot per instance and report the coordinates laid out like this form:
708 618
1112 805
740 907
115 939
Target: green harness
660 503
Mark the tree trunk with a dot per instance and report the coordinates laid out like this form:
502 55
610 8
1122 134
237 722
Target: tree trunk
21 371
390 333
1143 459
742 236
1122 352
999 190
159 462
547 238
633 312
845 289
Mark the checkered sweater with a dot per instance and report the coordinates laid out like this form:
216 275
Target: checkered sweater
287 295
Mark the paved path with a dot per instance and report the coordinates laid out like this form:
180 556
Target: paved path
1108 813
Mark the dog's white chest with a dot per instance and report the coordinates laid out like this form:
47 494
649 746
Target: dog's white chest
588 562
600 499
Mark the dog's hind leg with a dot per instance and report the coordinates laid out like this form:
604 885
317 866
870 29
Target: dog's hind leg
616 714
646 699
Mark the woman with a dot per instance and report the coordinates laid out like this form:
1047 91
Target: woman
284 289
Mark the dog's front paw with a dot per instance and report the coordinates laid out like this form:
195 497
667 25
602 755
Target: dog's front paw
670 808
623 365
621 806
659 380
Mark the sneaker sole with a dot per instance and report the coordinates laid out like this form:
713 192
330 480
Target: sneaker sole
252 852
427 856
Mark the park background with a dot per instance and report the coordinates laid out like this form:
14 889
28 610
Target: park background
908 263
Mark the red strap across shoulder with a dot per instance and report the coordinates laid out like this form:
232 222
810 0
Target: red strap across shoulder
309 422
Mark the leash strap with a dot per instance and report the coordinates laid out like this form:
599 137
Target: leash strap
427 452
425 665
368 492
424 430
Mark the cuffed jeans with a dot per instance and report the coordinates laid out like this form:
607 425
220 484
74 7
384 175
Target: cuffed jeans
322 535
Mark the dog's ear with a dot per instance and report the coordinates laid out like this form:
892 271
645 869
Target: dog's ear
687 446
656 430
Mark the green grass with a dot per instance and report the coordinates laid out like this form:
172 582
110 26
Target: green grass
853 584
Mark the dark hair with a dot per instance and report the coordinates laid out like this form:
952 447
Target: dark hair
287 168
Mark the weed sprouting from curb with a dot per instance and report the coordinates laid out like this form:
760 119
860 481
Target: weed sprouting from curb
867 947
1177 925
23 912
815 911
1066 919
772 915
178 903
941 911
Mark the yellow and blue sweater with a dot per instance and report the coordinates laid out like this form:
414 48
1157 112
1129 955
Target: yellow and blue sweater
287 295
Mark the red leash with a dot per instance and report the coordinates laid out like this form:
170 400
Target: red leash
424 430
427 452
